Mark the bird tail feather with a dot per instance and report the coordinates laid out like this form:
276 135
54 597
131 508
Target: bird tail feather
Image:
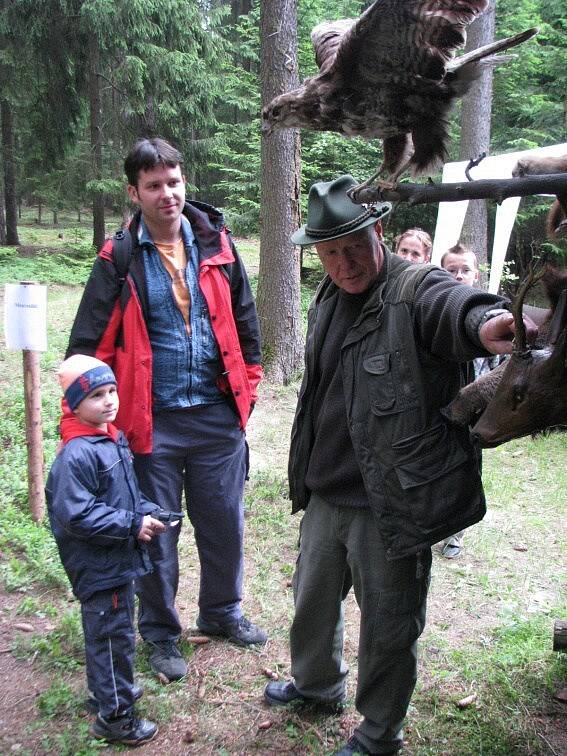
456 64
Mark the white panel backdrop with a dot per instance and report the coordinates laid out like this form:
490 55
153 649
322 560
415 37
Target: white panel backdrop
451 215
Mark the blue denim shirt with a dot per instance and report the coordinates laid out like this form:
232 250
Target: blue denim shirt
185 366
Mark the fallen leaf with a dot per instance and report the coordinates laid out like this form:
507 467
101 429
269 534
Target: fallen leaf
270 673
265 725
201 687
464 703
188 737
519 547
288 583
25 627
198 640
164 679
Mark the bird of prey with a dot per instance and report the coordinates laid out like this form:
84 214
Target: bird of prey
391 74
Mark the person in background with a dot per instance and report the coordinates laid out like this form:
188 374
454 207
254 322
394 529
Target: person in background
182 335
462 264
379 472
101 524
414 245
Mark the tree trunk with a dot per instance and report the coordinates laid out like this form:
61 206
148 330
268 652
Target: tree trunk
39 210
2 220
191 169
11 202
55 217
475 136
95 101
279 296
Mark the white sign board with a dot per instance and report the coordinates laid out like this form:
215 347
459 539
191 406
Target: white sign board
451 215
25 316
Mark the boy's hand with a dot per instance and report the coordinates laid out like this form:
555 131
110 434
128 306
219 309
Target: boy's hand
150 528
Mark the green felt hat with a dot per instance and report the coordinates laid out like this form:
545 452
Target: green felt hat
331 213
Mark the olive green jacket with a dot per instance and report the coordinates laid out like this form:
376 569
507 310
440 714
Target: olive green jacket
402 361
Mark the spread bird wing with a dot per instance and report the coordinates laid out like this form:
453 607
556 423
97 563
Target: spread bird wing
395 38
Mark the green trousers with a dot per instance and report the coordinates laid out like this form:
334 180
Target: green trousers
340 548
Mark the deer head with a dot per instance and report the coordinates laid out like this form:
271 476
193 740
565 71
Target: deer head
531 395
527 394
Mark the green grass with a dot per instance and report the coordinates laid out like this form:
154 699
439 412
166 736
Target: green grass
508 674
69 269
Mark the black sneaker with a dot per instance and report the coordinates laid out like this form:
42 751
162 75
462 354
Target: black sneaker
241 632
166 659
129 730
285 693
91 703
354 746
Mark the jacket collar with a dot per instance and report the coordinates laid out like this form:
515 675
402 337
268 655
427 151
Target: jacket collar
71 427
206 223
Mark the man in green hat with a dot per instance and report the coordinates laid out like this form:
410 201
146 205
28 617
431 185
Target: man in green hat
381 474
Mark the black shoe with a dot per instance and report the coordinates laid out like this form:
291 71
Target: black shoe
353 746
166 659
91 704
285 693
129 729
241 632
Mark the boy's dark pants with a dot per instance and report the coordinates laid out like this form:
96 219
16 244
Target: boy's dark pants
108 626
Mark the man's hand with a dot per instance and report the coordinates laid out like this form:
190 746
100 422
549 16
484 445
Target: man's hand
150 528
497 333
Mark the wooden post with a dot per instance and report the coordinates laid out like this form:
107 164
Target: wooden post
34 435
25 319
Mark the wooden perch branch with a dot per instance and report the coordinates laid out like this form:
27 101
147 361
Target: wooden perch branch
496 189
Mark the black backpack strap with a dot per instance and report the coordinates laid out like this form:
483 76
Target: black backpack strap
122 253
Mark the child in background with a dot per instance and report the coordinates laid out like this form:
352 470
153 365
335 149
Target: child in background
414 245
101 523
462 264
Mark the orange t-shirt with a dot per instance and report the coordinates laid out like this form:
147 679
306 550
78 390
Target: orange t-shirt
174 258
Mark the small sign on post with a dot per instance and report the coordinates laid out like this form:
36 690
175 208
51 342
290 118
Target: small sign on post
25 327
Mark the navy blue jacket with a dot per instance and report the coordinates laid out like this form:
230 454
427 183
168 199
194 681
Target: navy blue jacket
95 509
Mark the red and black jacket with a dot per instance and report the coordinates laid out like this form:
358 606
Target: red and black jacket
111 323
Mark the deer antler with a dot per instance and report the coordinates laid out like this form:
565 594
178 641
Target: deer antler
536 270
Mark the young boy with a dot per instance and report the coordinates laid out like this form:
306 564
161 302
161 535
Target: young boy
462 264
101 524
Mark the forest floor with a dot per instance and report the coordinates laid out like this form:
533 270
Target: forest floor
488 635
489 631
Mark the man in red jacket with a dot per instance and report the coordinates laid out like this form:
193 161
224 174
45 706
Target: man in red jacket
180 330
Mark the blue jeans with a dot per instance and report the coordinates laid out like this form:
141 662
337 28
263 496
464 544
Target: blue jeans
200 451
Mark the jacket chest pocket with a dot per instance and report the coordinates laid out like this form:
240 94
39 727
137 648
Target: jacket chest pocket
390 386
